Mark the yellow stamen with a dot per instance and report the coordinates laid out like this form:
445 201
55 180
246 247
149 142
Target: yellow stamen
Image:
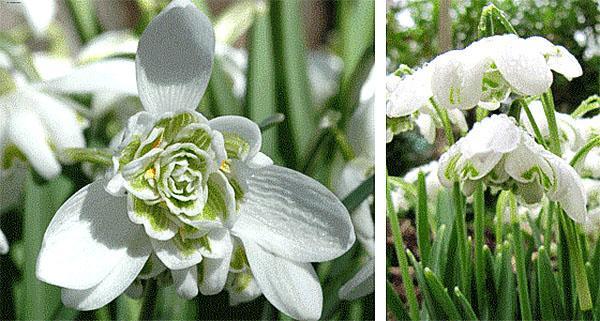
225 166
150 173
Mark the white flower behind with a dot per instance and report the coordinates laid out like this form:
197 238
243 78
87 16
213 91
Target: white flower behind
501 154
193 197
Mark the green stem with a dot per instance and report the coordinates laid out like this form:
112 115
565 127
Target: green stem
549 218
149 304
524 302
548 103
443 113
591 103
343 144
411 296
583 151
536 128
479 229
500 206
463 245
423 221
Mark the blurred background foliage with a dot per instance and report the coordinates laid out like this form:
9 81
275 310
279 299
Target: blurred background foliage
306 60
417 31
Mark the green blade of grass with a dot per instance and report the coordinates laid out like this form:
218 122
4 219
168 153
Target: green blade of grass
359 194
292 87
220 92
507 299
479 230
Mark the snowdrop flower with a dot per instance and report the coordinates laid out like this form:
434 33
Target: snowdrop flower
409 97
488 70
592 189
501 154
590 165
192 198
569 134
361 133
39 14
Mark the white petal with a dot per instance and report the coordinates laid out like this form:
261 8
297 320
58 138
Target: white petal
114 284
109 43
111 75
361 284
294 216
39 14
3 243
221 244
569 191
260 160
406 95
292 287
172 257
457 81
174 59
242 287
523 67
89 235
527 157
427 127
186 282
361 130
241 127
214 276
49 66
59 119
26 131
565 63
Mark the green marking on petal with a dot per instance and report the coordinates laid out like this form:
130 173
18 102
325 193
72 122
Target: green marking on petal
198 136
7 84
238 259
450 172
469 171
241 281
128 152
237 188
150 144
156 215
174 124
235 146
537 171
11 153
188 247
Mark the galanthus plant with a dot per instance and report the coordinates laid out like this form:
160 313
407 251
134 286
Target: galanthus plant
191 199
501 154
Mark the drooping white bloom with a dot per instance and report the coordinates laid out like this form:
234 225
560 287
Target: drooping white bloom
193 197
570 135
589 129
488 70
361 133
409 96
503 155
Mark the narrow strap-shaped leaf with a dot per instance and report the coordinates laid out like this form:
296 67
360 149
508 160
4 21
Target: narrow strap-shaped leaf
507 299
84 15
466 308
220 92
463 248
394 304
440 295
479 230
359 194
524 300
435 257
551 307
433 310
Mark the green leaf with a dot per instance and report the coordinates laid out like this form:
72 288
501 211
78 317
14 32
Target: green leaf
422 220
291 81
359 194
479 230
42 199
260 81
84 16
220 92
467 309
551 307
506 281
440 295
394 304
435 311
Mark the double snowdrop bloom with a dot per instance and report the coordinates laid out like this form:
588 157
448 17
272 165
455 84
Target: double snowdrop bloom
191 199
501 154
488 70
409 97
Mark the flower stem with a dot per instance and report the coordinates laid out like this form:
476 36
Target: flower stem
548 103
463 244
583 151
536 128
413 306
443 113
479 229
423 221
147 311
524 302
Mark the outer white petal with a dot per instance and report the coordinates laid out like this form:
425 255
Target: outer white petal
114 284
214 274
569 191
294 216
361 284
361 130
26 131
427 127
524 158
87 238
259 160
186 282
457 80
241 126
112 75
565 63
174 59
60 121
292 287
221 244
49 66
406 95
107 44
523 67
3 243
39 14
